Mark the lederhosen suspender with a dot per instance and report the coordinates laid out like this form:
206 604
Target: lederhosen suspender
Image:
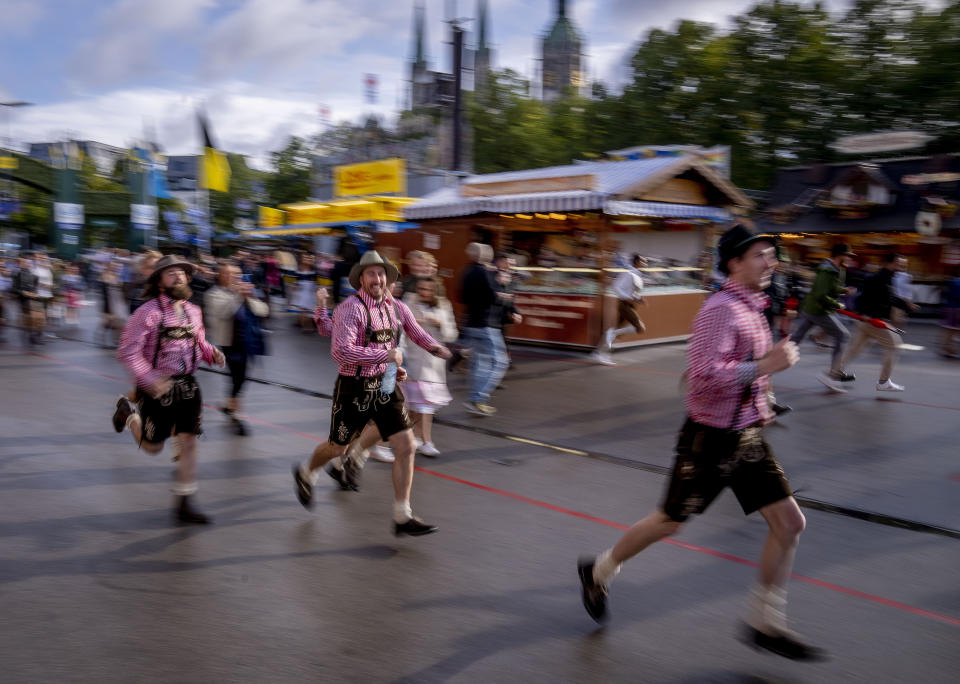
174 332
371 335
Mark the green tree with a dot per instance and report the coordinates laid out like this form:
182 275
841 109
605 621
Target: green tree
290 179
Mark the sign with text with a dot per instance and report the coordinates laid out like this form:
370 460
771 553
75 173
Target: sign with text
65 213
553 318
144 215
270 217
370 178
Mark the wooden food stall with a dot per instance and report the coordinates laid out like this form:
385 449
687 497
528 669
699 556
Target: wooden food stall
571 228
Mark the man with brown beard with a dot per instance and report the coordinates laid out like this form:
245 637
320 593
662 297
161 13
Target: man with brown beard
162 345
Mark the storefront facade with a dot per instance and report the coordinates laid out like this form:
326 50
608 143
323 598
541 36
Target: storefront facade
571 228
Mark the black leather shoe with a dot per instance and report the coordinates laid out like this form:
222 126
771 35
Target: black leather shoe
187 515
125 409
414 527
844 377
594 595
240 428
339 476
304 489
780 409
786 644
351 473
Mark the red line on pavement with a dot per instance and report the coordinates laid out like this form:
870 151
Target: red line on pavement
702 549
608 523
955 477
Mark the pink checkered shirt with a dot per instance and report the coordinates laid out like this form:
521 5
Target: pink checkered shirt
138 342
729 334
323 321
348 346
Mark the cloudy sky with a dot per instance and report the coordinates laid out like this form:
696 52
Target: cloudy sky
111 70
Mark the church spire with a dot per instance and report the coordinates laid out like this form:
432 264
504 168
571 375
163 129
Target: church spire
419 36
561 9
481 24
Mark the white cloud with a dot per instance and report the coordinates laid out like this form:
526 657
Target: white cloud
125 47
20 16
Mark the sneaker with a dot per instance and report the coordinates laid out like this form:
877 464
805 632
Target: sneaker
831 384
889 386
478 408
843 377
609 337
594 595
414 527
339 476
786 644
303 488
351 473
427 449
381 453
125 409
605 359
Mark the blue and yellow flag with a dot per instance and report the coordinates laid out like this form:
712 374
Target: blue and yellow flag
214 169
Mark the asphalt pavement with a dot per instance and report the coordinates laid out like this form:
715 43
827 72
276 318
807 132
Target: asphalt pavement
96 584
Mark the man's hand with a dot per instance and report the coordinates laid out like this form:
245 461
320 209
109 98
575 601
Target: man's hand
244 289
401 374
159 387
441 352
219 359
321 297
783 355
516 318
395 356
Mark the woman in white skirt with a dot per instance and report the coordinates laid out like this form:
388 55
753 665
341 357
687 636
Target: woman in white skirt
425 389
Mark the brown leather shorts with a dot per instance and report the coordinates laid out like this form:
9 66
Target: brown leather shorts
710 459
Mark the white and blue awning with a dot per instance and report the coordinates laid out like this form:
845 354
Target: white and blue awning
568 200
665 210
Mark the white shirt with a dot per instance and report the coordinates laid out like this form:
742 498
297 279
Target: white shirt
629 285
44 281
903 285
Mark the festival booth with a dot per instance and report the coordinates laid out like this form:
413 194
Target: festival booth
909 205
571 228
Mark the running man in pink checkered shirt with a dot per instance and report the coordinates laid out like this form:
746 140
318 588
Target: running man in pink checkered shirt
730 359
365 334
162 345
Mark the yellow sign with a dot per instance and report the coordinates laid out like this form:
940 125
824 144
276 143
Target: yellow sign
370 178
270 218
8 162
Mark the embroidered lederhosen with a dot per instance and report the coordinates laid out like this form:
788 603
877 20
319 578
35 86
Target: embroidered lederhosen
358 399
179 410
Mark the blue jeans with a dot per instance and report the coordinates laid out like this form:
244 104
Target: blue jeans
488 361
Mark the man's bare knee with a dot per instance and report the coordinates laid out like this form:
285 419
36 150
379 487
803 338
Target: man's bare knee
152 447
668 526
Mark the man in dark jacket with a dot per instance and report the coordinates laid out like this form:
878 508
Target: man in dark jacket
23 286
875 302
819 308
482 329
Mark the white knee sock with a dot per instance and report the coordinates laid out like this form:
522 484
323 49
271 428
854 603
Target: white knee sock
402 511
310 476
623 331
767 610
337 462
184 488
604 568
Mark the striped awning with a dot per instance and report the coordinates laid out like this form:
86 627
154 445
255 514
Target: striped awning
665 210
568 200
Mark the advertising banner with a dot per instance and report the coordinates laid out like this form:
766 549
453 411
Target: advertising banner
370 178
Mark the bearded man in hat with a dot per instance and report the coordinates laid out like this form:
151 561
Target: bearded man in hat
162 345
730 359
366 333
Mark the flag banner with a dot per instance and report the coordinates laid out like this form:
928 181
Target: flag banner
214 168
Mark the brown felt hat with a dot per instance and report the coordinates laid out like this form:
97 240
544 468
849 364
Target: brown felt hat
169 261
369 259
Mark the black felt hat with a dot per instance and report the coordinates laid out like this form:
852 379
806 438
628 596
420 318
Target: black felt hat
735 242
